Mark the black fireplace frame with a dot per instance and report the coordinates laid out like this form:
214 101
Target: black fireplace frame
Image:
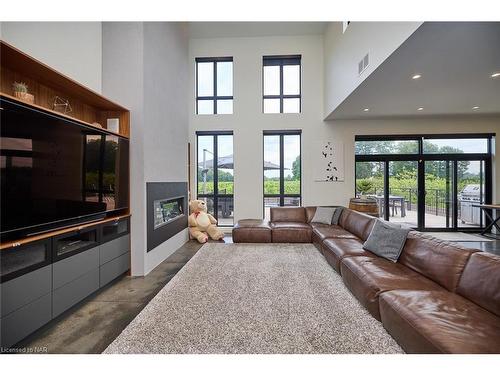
162 191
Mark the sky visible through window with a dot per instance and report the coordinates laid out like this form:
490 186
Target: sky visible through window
291 146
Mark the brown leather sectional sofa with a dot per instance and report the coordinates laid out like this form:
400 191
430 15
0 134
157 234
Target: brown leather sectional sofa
438 297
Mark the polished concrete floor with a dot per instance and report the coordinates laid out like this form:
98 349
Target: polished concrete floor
93 324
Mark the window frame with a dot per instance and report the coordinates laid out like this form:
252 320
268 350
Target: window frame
215 195
282 60
421 157
214 98
281 195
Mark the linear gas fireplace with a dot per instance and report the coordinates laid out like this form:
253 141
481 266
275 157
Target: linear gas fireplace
167 211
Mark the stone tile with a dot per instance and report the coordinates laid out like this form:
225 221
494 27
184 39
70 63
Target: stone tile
93 324
135 289
88 329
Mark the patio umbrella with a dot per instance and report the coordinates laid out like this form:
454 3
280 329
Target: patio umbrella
226 162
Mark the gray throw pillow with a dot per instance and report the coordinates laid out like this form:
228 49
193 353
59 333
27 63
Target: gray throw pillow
336 215
386 240
323 215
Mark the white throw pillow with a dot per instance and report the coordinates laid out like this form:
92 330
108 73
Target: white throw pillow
323 215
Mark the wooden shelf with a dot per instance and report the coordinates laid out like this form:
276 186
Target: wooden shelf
25 240
12 98
46 83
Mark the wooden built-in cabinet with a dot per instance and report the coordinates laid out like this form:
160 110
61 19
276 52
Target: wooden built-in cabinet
46 84
43 275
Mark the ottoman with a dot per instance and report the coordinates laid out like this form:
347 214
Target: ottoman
252 230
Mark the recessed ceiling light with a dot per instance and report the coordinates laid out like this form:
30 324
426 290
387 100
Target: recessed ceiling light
366 109
420 108
416 76
475 108
495 75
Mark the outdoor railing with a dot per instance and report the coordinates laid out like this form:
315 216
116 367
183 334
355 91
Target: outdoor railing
437 201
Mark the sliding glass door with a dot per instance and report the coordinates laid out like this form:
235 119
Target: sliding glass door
282 169
432 182
215 177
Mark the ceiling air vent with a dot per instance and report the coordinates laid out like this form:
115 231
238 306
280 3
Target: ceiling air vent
363 64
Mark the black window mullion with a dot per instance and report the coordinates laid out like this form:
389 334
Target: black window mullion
282 170
281 88
216 178
215 87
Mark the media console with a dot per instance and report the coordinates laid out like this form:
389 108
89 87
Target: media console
42 279
43 275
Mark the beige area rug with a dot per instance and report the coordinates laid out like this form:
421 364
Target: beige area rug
249 298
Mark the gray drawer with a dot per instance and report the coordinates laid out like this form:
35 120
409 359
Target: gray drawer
113 249
72 268
113 269
26 320
24 289
73 292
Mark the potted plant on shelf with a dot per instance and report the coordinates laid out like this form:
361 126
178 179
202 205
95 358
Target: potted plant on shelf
21 92
364 187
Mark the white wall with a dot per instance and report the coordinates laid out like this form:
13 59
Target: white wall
343 51
72 48
145 68
165 115
248 121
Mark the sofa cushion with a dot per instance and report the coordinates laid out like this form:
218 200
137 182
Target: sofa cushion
310 211
252 230
288 214
286 232
336 215
323 215
357 223
386 240
368 277
323 231
480 281
336 249
439 322
438 260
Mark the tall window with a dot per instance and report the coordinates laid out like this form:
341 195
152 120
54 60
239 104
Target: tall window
215 174
282 169
281 84
214 85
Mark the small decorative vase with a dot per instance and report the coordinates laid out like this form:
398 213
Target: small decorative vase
24 96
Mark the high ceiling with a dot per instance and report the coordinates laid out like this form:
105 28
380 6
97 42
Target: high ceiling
455 61
254 29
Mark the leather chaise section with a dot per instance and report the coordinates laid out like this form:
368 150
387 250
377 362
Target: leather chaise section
250 230
439 322
480 281
336 249
324 231
440 261
293 232
368 277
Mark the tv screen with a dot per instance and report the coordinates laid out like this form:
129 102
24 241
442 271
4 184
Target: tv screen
56 172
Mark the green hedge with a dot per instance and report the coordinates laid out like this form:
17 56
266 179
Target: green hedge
270 187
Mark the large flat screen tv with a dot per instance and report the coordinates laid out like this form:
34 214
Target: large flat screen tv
57 172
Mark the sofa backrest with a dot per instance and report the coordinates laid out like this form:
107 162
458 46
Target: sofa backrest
295 214
310 211
480 281
440 261
357 223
